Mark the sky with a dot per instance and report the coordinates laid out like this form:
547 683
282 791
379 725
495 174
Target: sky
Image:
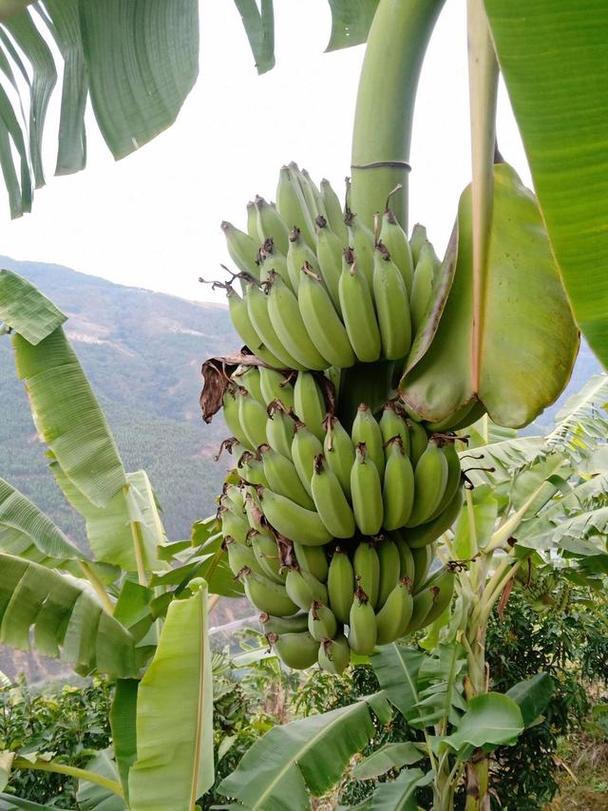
152 220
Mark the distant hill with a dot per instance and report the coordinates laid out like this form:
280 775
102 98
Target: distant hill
142 352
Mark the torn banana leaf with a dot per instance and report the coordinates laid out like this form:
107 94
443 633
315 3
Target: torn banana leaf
528 338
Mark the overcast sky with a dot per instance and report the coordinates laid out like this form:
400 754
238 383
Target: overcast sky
152 220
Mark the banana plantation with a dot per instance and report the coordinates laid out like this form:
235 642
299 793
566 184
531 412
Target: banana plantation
419 571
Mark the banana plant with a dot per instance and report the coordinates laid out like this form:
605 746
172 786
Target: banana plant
133 608
532 504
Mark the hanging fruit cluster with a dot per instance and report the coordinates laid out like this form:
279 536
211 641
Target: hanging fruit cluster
331 512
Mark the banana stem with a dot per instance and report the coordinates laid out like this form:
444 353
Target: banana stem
396 45
97 585
483 88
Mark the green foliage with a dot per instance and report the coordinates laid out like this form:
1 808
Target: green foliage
549 628
72 722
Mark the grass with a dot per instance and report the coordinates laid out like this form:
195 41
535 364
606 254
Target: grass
584 775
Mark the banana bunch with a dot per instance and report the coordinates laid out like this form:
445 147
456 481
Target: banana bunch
319 603
332 531
319 288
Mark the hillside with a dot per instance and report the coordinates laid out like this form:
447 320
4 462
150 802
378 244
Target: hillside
142 352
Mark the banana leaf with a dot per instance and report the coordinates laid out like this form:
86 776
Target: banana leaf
27 532
68 416
25 310
553 59
66 619
259 27
174 727
136 60
528 339
310 753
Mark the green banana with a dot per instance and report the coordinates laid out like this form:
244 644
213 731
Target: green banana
398 486
358 313
280 428
297 650
273 263
243 250
233 526
422 605
252 229
339 451
304 588
340 584
251 469
417 240
283 478
389 567
293 521
394 237
366 493
419 439
444 582
422 286
362 632
321 320
322 623
257 308
309 404
392 424
448 449
366 566
423 557
231 417
365 429
333 210
235 496
329 257
334 655
362 241
248 378
392 305
395 615
240 557
275 386
252 416
292 205
283 625
312 559
267 554
298 255
312 195
253 511
287 321
304 448
266 595
406 567
330 501
425 534
430 481
269 224
247 332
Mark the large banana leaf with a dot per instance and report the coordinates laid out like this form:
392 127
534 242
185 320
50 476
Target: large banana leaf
528 339
66 619
552 54
136 60
174 763
259 27
312 752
